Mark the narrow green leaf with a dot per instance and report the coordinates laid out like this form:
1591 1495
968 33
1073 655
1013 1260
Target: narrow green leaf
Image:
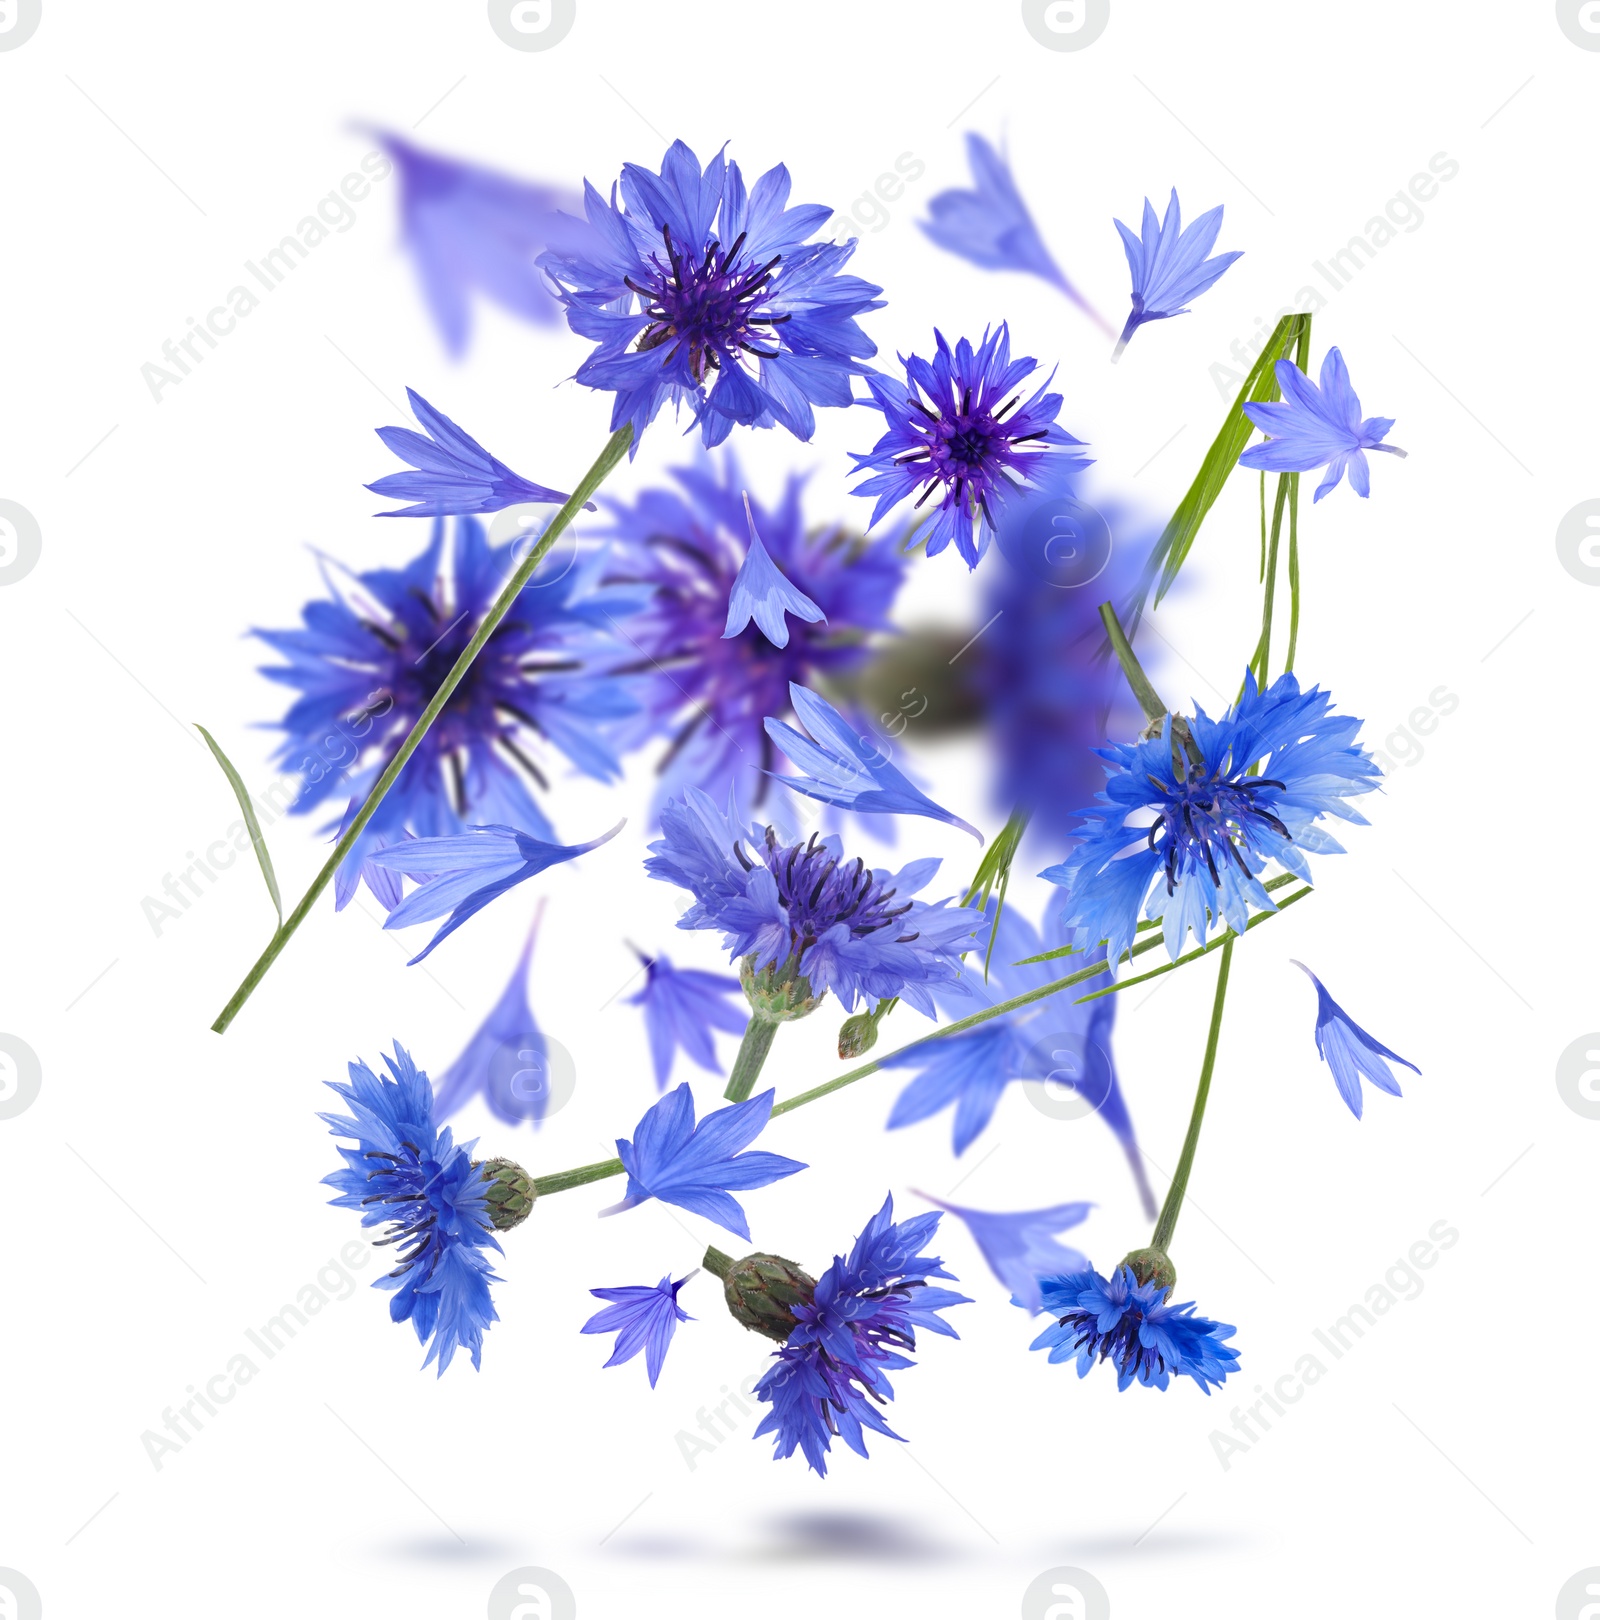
1260 387
994 871
242 795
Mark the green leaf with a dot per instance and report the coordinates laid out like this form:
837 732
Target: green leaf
1260 387
994 871
242 795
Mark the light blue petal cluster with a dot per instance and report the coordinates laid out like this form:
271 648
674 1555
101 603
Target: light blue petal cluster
681 1008
1021 1247
642 1319
1350 1052
1168 263
760 592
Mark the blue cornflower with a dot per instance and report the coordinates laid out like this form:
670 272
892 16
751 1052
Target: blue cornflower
1058 1040
991 226
956 426
1021 1247
831 1373
454 474
691 278
681 1008
472 230
1216 826
838 924
1316 427
405 1171
642 1319
760 592
462 874
1169 264
370 657
847 769
1350 1051
507 1060
697 1166
706 695
1128 1323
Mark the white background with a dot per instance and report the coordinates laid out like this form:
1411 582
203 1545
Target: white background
161 1195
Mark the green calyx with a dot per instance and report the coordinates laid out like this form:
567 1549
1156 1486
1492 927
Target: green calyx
1152 1265
761 1290
510 1194
779 993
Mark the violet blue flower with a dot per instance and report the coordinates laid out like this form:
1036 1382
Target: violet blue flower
700 292
959 429
462 874
642 1319
1350 1052
681 1008
760 592
1021 1247
1318 427
697 1166
1169 264
454 473
847 769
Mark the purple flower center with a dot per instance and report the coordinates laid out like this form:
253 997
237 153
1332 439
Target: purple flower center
1200 820
967 450
1120 1346
714 306
414 1187
819 890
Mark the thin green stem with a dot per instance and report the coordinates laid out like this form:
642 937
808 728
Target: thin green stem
1294 569
1148 698
1167 1221
580 1177
718 1263
1263 652
753 1049
616 448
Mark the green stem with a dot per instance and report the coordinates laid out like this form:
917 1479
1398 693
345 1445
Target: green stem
1167 1221
718 1263
1269 592
1294 568
1149 701
753 1049
580 1177
616 448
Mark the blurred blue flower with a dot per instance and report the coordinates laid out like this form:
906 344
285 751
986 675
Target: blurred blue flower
697 1166
760 592
454 474
956 426
1216 826
1318 427
368 659
1126 1322
831 1372
642 1319
708 695
1350 1051
470 230
840 925
681 1008
1021 1247
406 1172
462 874
1056 1041
991 226
847 769
723 277
1169 264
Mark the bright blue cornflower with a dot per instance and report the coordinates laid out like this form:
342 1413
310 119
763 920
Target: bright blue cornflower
991 226
642 1319
1128 1323
705 695
404 1171
454 475
847 769
831 1372
697 291
681 1008
760 592
370 656
960 430
1318 427
1057 1040
1021 1247
697 1166
1215 825
460 875
1350 1052
473 231
839 924
1169 264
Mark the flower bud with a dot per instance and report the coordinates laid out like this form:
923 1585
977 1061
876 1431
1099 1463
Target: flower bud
509 1193
778 993
858 1034
1152 1265
762 1288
